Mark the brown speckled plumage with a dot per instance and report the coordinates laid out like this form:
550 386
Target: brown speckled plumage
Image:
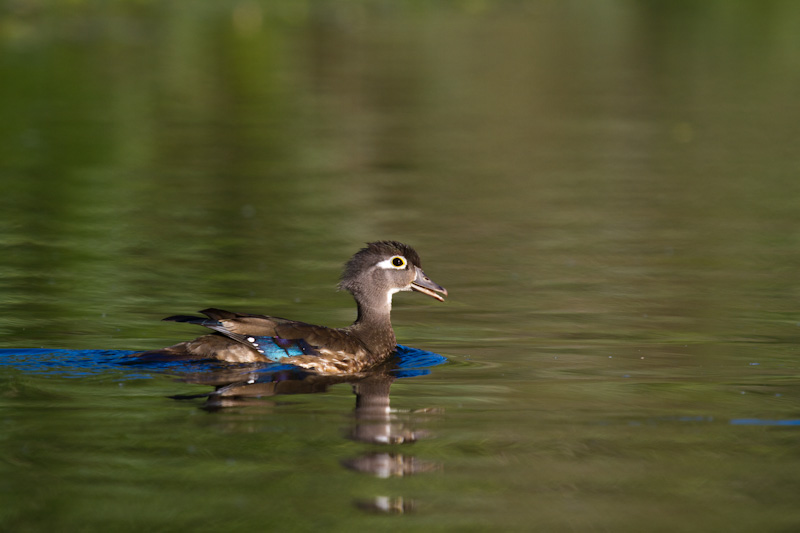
372 275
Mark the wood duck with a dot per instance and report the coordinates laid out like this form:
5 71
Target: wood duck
372 276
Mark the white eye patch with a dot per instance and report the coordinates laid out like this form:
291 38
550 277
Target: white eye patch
397 262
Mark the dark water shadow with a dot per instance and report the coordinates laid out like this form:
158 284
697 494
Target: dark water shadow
373 420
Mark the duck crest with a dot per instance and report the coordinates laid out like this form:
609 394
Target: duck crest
351 279
372 276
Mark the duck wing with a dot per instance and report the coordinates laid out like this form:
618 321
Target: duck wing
271 338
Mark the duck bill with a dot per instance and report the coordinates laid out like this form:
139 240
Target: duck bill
426 285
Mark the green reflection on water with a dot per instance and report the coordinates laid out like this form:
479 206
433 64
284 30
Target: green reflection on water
609 193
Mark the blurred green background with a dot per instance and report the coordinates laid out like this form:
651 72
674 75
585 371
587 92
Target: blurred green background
609 190
167 154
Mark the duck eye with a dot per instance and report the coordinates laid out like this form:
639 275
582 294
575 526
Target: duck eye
398 261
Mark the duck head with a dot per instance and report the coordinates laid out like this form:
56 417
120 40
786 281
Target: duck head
383 268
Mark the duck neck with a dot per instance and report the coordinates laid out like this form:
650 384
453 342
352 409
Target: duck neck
373 326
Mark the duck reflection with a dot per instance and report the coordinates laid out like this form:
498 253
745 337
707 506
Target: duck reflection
387 505
373 421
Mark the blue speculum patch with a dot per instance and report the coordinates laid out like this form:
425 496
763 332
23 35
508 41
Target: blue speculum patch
277 348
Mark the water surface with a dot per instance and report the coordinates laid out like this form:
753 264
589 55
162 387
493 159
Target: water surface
609 193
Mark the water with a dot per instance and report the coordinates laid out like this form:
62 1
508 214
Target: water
609 193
